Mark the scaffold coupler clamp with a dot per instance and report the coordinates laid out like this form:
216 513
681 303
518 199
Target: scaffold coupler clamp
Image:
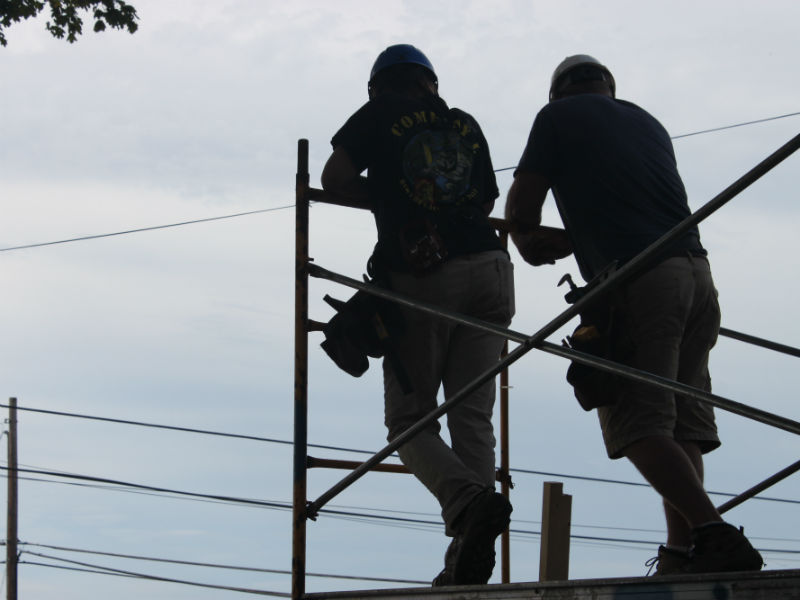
311 511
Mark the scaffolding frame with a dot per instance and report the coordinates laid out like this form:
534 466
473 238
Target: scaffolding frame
303 510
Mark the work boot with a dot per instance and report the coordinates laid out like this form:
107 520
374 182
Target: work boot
668 562
486 517
447 575
722 547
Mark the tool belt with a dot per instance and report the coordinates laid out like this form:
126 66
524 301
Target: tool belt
422 246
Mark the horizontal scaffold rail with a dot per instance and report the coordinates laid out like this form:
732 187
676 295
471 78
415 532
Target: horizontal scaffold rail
757 341
563 351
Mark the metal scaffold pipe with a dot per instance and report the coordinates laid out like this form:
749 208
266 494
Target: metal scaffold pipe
300 374
587 359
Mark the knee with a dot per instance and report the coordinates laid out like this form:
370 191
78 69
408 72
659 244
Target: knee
395 428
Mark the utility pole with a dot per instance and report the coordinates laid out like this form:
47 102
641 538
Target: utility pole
11 521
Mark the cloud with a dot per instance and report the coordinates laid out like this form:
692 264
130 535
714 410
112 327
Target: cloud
198 115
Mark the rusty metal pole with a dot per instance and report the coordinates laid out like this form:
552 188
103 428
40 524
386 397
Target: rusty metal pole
299 513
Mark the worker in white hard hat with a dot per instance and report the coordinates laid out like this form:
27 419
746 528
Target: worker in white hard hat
613 174
431 186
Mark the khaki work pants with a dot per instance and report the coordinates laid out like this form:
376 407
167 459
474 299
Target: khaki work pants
437 352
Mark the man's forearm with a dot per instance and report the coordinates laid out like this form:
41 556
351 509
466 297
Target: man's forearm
525 200
353 193
343 182
523 216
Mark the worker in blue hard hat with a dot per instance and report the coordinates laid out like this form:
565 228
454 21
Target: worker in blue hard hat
431 187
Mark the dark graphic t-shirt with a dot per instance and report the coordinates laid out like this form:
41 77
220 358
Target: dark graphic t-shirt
614 176
427 163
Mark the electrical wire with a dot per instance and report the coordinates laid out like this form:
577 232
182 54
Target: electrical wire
183 429
583 540
112 571
246 501
685 135
141 229
213 565
65 568
263 210
121 489
230 499
357 451
366 517
389 520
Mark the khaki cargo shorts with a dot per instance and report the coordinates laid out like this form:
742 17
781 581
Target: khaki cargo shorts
667 320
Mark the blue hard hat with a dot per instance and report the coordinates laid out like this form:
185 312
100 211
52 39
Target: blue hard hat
400 54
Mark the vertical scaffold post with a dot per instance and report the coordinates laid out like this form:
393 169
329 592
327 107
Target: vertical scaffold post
300 373
505 480
505 540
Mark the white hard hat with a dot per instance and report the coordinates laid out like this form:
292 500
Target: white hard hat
571 64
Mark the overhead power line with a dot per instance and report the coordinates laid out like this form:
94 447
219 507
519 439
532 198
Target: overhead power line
231 499
685 135
111 571
346 512
405 522
141 229
182 429
263 210
332 513
357 451
213 565
430 525
261 503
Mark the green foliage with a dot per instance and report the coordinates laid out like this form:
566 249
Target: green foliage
65 18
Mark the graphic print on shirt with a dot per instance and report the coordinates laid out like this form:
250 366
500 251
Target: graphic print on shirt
437 167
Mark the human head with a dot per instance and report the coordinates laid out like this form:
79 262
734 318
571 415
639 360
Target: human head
582 69
402 68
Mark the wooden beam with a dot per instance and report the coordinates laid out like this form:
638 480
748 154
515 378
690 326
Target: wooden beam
556 521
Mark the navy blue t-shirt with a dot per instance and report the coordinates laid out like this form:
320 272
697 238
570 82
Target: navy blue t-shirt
613 173
425 161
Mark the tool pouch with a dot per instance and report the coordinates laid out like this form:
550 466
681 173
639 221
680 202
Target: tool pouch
594 335
361 328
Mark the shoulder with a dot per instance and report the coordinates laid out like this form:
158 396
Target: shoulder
642 117
464 121
581 103
459 113
380 107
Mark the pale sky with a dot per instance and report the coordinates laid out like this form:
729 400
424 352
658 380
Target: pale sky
196 116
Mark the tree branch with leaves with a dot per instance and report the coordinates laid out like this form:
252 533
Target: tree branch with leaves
66 16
